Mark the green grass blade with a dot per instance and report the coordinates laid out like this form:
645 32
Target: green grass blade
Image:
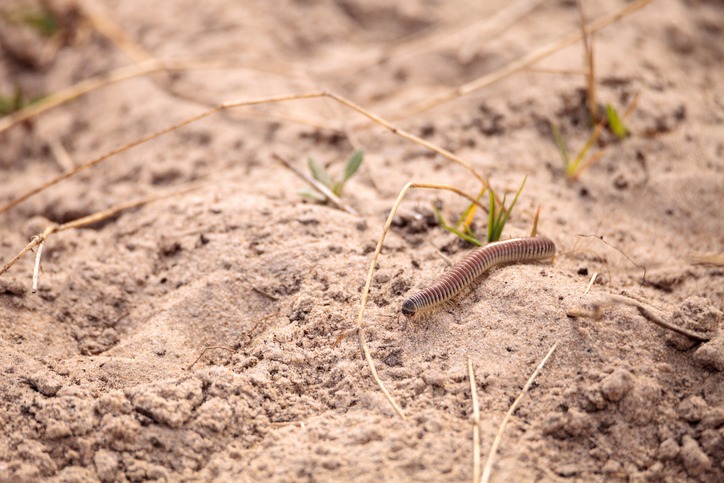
615 122
337 188
353 164
560 144
318 172
467 237
509 210
572 169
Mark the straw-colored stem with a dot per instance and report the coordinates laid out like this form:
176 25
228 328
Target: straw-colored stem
526 61
499 436
476 423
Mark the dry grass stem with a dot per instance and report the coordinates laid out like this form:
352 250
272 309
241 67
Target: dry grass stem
84 221
526 61
60 154
590 68
250 102
596 313
496 442
371 363
476 423
111 30
36 269
326 192
600 238
35 241
467 31
265 294
590 284
546 70
83 87
368 282
716 259
223 347
649 313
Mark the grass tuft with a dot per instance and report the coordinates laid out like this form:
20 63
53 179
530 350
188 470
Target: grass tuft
497 218
336 186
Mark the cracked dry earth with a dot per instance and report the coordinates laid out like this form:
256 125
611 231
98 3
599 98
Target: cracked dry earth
96 384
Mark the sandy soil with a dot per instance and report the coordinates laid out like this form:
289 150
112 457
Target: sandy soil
94 382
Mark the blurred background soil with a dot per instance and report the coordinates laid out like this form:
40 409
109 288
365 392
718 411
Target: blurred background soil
96 384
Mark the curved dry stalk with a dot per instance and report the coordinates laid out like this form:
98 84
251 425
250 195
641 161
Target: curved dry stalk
368 282
104 24
83 87
499 436
206 349
716 259
648 313
476 423
410 137
471 29
77 90
34 242
249 102
41 238
525 61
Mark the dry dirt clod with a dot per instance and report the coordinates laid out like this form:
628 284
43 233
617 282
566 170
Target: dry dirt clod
694 459
616 385
711 354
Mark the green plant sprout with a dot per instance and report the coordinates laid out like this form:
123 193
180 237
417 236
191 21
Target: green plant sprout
497 218
38 19
615 123
336 186
575 166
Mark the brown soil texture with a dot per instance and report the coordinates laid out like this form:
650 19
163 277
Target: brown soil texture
95 381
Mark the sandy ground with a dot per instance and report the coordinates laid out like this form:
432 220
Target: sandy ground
95 385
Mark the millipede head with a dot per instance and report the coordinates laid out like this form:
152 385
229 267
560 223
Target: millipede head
408 308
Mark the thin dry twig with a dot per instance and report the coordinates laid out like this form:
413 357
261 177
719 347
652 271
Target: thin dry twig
35 241
476 423
526 61
265 294
226 348
87 220
36 270
110 29
600 238
365 292
326 192
496 442
590 284
590 67
208 349
60 154
83 87
469 30
716 259
547 70
647 312
250 102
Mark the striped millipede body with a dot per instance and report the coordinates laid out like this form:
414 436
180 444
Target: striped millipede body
475 264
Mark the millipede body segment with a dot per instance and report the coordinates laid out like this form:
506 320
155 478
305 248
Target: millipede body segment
475 264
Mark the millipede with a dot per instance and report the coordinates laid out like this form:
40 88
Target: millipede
470 268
